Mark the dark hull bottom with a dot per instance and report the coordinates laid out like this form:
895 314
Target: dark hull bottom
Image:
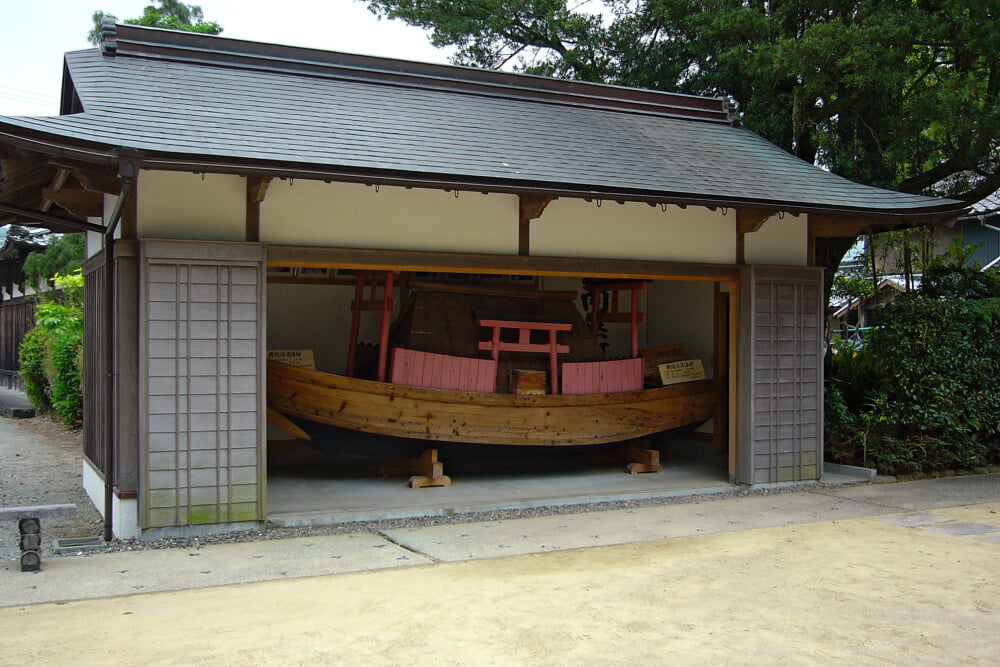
355 453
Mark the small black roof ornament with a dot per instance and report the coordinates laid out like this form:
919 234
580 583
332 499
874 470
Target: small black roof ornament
109 35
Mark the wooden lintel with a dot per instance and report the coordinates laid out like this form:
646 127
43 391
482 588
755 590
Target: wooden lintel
749 220
529 208
822 226
416 260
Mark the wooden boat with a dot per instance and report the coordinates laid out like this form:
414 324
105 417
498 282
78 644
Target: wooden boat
484 418
435 382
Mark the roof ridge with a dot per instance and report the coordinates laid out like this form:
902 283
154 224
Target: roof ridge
128 40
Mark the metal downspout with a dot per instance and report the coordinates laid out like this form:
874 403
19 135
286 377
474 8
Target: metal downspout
128 169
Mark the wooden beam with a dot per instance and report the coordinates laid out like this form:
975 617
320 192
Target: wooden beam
529 208
405 260
58 181
79 202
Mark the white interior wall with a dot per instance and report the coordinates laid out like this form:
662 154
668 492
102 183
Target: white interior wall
317 318
682 311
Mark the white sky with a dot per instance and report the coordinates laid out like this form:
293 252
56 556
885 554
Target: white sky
39 32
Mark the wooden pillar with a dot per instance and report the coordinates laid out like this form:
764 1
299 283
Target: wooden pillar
748 220
529 208
130 215
256 191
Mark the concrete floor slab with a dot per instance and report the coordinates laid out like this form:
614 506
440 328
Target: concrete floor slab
492 539
301 501
128 573
926 494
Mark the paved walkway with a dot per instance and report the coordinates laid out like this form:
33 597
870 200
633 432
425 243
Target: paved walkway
102 575
15 404
872 574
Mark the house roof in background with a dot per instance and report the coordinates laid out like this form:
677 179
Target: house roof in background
205 103
986 205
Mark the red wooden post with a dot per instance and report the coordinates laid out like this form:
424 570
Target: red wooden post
386 314
352 345
553 365
635 321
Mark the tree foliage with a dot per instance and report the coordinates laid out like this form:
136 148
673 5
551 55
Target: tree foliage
171 14
62 256
903 95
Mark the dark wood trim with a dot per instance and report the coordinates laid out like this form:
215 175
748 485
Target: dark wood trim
529 208
404 260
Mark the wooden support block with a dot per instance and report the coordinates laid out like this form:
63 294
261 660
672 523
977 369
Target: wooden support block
425 471
642 460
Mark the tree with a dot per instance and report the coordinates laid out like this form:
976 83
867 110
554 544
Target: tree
901 95
170 14
62 256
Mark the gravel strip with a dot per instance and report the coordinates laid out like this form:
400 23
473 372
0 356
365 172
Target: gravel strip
41 463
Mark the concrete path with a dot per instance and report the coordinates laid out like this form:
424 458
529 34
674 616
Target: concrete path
102 575
898 574
15 404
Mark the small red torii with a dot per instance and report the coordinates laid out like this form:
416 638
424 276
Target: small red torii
633 316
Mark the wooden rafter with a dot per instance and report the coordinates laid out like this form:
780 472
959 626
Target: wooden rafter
79 202
529 208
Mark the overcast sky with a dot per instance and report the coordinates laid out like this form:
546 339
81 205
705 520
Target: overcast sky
38 32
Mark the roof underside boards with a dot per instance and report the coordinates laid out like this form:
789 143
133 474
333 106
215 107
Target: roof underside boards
203 112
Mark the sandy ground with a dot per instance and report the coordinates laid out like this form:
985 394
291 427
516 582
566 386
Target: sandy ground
41 463
853 591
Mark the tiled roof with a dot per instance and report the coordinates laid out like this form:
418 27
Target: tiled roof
213 103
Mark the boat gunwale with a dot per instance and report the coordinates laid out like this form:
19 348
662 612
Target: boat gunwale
337 382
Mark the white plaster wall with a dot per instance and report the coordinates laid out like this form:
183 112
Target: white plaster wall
124 512
356 216
683 312
178 205
783 242
577 228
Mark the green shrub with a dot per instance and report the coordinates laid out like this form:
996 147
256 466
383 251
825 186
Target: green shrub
921 395
52 352
36 381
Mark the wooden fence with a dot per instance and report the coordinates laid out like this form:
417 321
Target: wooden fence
17 318
94 399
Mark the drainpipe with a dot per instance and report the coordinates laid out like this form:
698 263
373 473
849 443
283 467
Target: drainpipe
128 170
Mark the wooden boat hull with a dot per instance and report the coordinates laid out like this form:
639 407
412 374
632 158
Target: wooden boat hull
483 418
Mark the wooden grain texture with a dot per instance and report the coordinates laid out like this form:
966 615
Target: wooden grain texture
502 419
600 377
